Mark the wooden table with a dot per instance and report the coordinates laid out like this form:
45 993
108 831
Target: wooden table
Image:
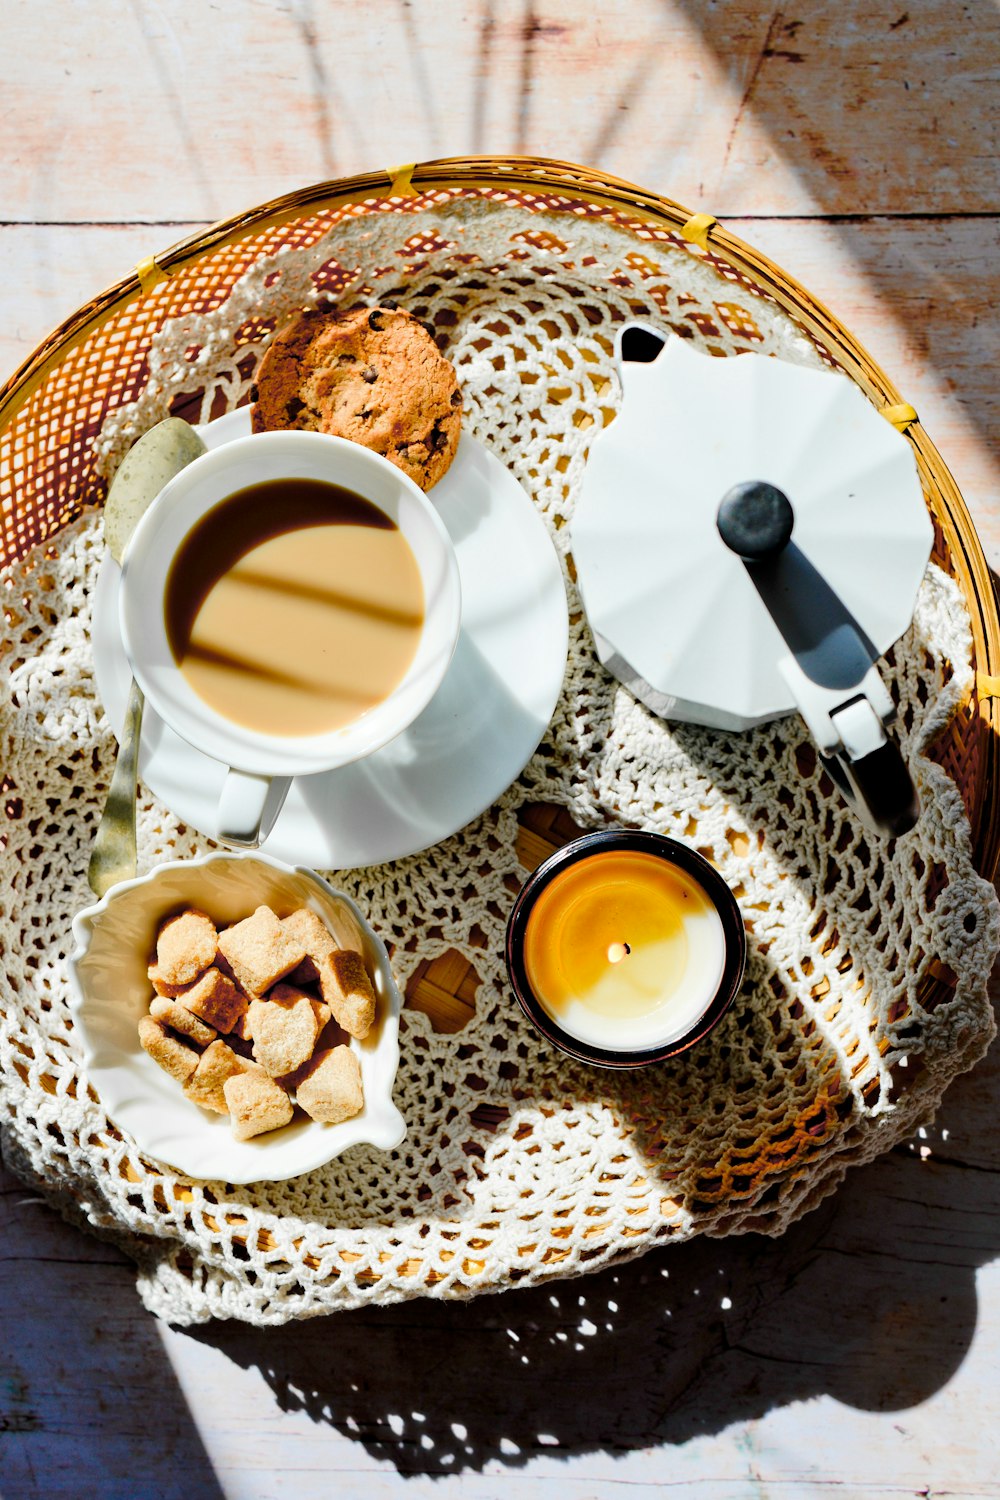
857 145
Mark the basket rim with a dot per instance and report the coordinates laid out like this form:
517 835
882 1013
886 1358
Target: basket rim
543 174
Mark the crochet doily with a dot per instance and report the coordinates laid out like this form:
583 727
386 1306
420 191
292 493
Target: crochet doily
518 1164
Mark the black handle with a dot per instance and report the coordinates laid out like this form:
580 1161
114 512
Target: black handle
755 520
878 787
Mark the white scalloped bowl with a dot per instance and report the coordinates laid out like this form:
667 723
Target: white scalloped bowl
111 991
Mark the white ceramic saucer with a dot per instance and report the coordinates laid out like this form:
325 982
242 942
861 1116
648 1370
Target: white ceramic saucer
475 737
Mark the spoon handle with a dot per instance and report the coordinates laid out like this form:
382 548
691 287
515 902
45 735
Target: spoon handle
113 857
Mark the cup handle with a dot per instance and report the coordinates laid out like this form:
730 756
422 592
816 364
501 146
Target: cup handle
249 806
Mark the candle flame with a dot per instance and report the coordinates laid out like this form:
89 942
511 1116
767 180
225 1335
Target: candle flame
617 952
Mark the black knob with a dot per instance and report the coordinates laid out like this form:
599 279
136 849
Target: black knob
755 520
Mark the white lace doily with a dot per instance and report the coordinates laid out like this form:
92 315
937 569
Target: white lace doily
518 1164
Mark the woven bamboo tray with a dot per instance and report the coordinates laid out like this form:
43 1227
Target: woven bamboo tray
54 407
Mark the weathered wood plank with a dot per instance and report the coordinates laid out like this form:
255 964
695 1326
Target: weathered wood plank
48 271
148 111
860 1352
88 1402
864 106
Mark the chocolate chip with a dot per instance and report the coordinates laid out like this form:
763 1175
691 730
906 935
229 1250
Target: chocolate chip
437 439
366 414
254 393
456 398
375 319
427 327
369 374
294 407
390 303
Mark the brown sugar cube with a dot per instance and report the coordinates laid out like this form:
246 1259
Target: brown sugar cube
256 1103
224 966
241 1048
179 1018
259 951
215 999
311 931
205 1086
284 1028
331 1089
163 986
167 1051
185 946
347 990
241 1027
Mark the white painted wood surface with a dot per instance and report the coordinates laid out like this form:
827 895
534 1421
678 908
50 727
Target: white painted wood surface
856 143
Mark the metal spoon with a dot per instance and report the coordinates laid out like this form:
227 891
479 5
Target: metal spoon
159 454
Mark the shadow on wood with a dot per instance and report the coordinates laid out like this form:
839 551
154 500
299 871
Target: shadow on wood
89 1404
870 1299
810 84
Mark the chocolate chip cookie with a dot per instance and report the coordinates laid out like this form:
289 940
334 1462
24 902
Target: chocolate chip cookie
374 375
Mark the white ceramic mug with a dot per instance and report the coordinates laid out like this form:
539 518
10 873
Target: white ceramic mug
261 766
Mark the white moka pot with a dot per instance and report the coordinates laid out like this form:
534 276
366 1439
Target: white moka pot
749 539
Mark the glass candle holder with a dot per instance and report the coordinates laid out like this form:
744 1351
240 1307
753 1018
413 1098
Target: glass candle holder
625 948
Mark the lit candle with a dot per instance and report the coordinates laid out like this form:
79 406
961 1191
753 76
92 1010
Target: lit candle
622 944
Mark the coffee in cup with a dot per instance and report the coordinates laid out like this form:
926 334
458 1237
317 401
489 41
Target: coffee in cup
288 604
294 606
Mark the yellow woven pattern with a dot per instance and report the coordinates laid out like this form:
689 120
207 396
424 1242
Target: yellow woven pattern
646 1180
